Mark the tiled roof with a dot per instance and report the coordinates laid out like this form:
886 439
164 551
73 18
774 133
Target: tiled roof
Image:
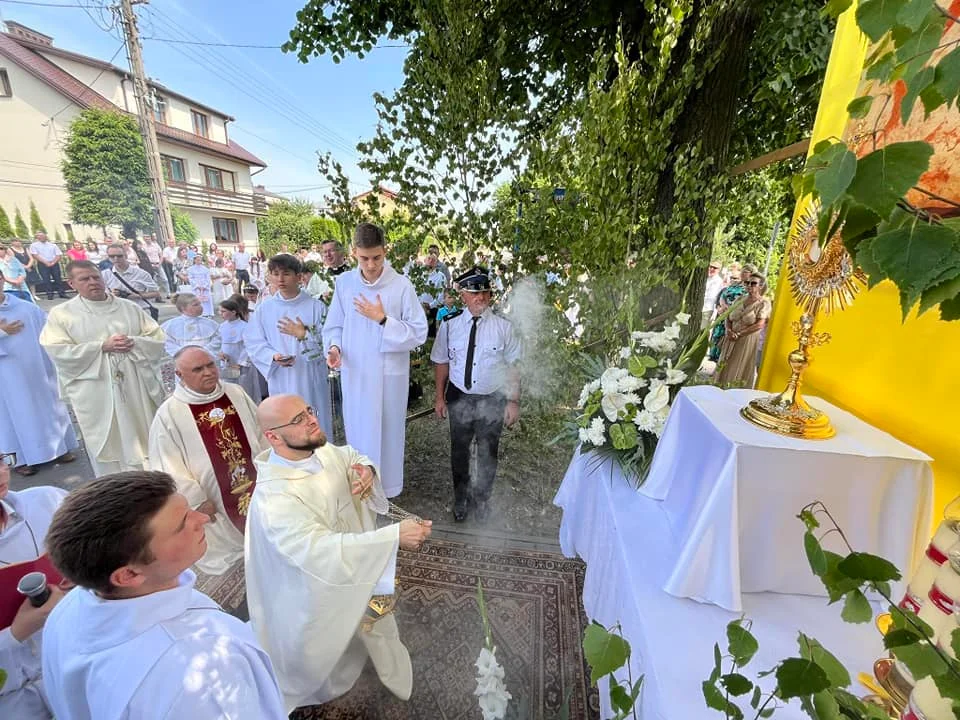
22 54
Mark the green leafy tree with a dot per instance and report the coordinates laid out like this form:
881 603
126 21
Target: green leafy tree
288 222
6 231
105 169
19 225
184 229
323 229
36 224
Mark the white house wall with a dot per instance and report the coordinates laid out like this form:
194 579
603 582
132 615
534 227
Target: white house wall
246 225
107 83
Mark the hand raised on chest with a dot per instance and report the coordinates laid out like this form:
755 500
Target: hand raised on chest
371 310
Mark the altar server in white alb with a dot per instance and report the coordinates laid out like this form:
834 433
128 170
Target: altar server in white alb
108 353
283 339
135 640
374 321
34 422
316 564
190 327
206 436
24 519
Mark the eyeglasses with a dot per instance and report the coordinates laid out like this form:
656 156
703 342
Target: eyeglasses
9 459
299 419
116 257
754 282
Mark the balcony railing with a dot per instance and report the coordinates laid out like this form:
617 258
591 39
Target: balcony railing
205 198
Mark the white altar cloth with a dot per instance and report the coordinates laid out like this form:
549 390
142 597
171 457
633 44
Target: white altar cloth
731 491
626 542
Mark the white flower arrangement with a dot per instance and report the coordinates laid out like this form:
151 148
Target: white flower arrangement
624 410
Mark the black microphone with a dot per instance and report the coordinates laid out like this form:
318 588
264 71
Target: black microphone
34 586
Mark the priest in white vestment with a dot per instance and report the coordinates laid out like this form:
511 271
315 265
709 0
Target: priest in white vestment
108 353
34 422
24 519
190 327
283 339
316 565
373 322
135 640
206 436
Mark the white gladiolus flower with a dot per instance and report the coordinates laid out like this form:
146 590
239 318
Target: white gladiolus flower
672 332
625 353
683 318
323 289
610 379
658 397
491 693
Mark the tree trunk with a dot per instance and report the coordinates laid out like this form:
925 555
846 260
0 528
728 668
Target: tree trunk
708 116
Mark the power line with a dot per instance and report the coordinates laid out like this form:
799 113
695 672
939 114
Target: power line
211 44
303 118
53 5
270 142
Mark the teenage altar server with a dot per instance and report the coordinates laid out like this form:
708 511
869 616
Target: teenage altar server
206 436
316 564
283 339
374 321
108 353
135 640
34 422
24 519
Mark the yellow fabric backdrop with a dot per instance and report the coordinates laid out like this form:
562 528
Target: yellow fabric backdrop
901 377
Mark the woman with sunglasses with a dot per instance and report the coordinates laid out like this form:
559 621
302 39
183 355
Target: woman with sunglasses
744 324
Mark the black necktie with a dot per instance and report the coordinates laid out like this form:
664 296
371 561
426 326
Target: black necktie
471 346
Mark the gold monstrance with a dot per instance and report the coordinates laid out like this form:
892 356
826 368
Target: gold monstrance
820 278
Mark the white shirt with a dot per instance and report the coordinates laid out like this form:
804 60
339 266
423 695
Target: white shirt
169 254
153 252
29 513
496 346
241 260
138 278
712 290
46 251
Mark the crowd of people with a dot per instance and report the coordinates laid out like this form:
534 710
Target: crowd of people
233 468
738 295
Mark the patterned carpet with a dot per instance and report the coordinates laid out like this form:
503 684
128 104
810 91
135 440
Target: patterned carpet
533 601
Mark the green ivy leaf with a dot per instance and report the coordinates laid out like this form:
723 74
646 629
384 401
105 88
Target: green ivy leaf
717 660
947 76
825 706
913 13
815 555
716 700
948 685
913 258
736 684
860 107
867 263
921 659
908 620
882 68
604 651
900 637
864 566
837 583
853 707
950 309
941 292
916 50
885 175
834 180
877 17
755 698
741 644
619 697
811 649
917 84
856 608
797 677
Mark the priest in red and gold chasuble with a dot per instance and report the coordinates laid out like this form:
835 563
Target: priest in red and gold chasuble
206 436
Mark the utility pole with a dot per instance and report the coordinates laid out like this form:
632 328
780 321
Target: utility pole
148 129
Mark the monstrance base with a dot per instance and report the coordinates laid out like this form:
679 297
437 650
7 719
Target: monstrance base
794 419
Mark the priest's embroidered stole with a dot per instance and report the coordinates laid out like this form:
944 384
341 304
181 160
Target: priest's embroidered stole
229 451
